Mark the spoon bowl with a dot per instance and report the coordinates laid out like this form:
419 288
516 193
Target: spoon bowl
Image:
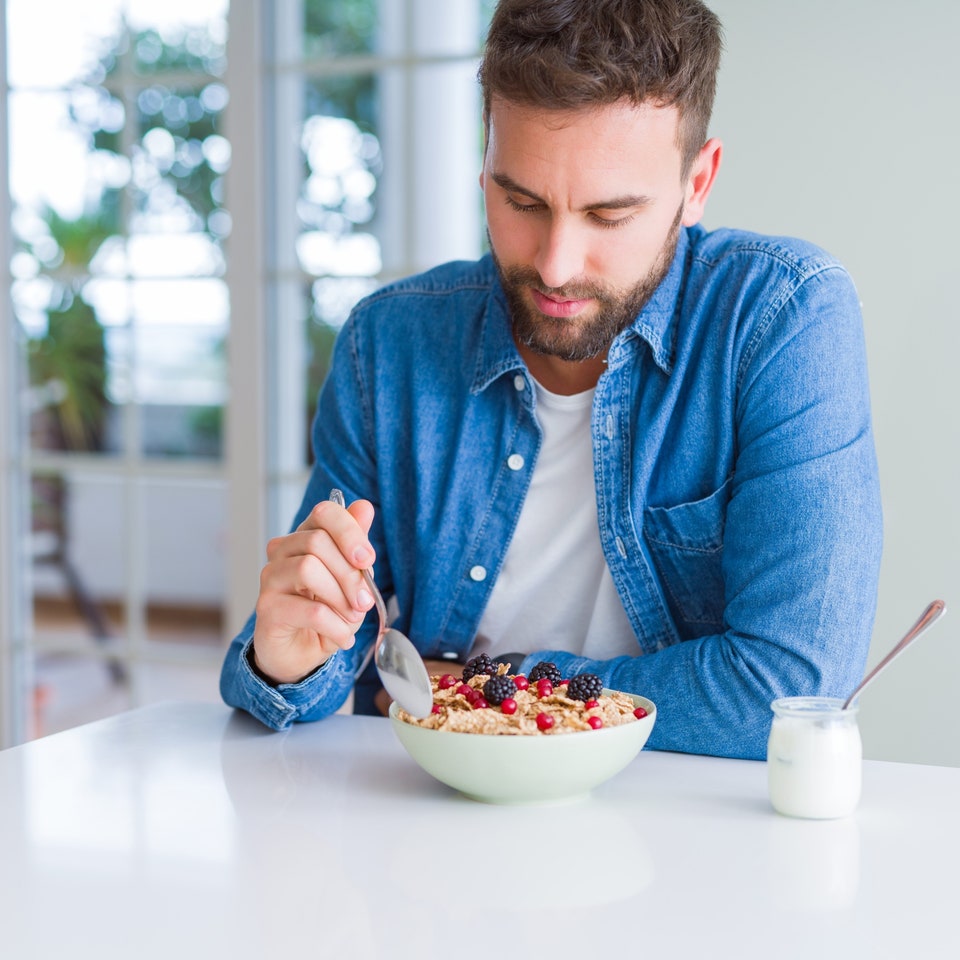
399 664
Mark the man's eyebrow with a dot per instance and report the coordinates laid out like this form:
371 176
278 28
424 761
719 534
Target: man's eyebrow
614 203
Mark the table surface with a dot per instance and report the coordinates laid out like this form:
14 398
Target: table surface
189 830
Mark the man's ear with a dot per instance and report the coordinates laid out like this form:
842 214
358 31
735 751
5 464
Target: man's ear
700 182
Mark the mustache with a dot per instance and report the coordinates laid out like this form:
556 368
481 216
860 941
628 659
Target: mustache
528 277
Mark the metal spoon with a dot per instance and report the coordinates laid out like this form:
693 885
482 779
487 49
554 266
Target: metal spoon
927 620
401 668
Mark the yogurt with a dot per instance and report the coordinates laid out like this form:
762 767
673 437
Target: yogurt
814 758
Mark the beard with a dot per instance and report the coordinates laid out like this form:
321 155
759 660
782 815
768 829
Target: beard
580 338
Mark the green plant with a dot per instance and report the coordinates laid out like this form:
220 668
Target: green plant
69 360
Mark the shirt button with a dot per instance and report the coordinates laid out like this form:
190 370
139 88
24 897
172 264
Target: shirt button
515 461
478 573
519 382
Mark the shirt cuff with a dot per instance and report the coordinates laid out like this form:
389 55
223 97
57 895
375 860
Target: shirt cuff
279 705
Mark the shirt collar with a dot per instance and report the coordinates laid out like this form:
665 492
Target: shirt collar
498 353
657 321
655 324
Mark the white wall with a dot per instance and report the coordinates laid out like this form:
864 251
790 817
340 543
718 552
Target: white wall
840 122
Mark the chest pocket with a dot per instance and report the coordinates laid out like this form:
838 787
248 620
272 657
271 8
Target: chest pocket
686 543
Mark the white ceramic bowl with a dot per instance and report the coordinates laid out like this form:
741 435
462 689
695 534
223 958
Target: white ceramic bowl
526 769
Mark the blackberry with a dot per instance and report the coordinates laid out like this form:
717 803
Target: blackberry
477 665
545 669
497 689
585 686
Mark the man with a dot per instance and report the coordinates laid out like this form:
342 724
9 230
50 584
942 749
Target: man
619 443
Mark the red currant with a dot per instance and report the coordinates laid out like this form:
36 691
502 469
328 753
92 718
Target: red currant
447 681
521 681
639 713
595 722
436 708
544 721
464 689
590 704
509 705
544 687
480 704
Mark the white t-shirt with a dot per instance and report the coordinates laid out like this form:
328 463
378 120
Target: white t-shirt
555 591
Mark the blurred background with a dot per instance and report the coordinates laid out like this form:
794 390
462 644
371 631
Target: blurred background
195 192
198 193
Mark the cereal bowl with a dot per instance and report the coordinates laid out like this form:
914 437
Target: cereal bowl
525 769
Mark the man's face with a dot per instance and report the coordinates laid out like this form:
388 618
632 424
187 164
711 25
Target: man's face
583 212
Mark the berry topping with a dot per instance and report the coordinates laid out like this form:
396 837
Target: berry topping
585 686
544 687
639 713
509 706
436 708
590 704
480 704
477 665
545 669
447 681
521 681
595 722
544 721
498 688
464 689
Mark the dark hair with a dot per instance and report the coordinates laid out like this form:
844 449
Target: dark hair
569 54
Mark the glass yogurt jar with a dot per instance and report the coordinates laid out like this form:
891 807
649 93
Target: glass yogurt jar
814 758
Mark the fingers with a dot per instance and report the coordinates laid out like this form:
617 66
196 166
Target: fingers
309 563
320 580
338 539
347 528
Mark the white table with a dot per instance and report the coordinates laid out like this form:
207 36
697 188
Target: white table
187 830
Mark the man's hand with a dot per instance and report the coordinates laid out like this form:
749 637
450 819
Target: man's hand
312 594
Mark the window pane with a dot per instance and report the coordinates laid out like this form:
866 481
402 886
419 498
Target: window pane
178 35
183 568
38 55
179 159
66 361
180 383
77 537
337 205
339 27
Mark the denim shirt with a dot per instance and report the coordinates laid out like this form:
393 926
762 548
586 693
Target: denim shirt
736 479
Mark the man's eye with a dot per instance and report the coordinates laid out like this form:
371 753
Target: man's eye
611 224
522 207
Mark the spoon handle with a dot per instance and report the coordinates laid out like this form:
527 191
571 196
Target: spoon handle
377 597
929 616
336 495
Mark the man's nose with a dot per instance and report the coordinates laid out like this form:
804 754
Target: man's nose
561 254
